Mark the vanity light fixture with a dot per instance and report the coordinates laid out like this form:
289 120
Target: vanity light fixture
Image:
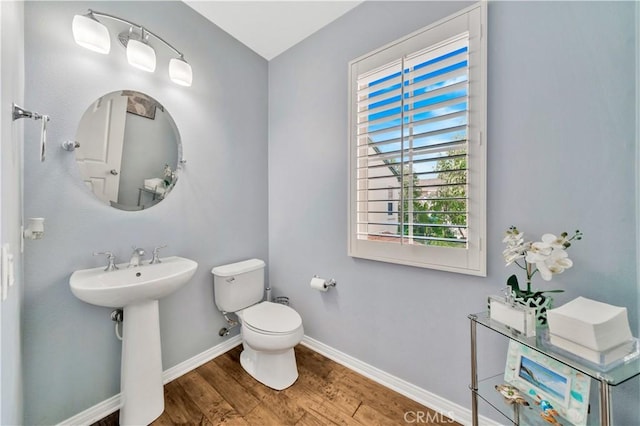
90 33
141 55
180 71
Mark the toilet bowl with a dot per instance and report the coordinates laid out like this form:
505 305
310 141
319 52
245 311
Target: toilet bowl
269 333
269 330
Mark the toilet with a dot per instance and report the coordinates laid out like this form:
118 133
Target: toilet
269 330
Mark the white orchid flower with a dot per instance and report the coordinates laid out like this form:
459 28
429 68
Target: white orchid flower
513 239
559 261
553 241
549 256
515 252
511 255
555 263
538 252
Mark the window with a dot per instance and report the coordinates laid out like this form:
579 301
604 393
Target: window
417 157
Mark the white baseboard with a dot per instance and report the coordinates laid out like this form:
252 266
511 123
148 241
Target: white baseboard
411 391
202 358
440 405
108 406
95 413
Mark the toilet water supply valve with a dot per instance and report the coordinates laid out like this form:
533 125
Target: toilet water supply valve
224 331
117 316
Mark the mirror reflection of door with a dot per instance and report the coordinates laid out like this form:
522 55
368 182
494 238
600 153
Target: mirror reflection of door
129 150
101 137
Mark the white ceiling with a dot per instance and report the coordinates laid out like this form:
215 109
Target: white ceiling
271 27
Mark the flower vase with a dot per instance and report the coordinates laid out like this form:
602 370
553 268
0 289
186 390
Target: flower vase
539 302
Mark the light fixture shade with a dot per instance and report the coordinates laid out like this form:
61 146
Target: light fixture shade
180 72
89 33
141 55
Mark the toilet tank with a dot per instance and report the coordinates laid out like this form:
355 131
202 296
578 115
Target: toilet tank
238 285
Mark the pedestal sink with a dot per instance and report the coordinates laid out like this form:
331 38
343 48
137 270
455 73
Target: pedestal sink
136 290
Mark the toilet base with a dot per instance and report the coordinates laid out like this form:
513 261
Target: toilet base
277 370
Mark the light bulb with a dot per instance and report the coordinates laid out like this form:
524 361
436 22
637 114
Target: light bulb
180 72
141 55
90 33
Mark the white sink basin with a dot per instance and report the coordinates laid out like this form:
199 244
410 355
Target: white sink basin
137 291
126 286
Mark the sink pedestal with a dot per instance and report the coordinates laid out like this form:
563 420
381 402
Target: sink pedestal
138 290
141 389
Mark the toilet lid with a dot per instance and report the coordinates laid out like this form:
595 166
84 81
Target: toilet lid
272 317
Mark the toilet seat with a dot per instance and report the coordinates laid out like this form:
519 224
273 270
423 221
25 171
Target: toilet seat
271 318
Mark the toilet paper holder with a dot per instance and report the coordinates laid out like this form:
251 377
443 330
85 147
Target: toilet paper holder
327 283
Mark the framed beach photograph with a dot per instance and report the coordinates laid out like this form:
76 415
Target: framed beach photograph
548 383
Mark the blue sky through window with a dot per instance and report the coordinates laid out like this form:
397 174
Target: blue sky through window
444 122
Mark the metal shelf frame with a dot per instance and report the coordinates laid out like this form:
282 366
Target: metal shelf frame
606 379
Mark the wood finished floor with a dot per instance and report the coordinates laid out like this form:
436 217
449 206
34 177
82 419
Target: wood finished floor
220 392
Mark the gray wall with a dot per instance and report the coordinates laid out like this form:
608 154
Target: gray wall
11 90
561 156
216 214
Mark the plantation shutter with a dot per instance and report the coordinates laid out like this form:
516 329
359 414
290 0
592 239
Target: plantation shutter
417 160
412 147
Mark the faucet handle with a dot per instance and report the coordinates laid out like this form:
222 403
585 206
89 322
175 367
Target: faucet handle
156 258
111 258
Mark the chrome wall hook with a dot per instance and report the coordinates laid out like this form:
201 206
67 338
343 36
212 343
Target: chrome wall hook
70 145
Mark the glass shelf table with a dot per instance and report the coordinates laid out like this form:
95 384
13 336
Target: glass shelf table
612 377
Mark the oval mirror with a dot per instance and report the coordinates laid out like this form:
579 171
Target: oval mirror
129 150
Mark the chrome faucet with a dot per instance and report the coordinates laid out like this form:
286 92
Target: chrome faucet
156 257
111 258
136 257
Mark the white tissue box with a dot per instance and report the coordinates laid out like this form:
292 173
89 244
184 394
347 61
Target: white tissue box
153 183
156 185
158 190
602 358
595 325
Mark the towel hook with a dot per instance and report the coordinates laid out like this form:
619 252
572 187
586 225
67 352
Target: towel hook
70 145
18 113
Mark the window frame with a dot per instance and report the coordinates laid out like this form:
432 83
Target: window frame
472 259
